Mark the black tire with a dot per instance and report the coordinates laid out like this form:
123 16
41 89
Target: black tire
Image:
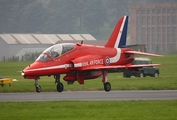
60 87
38 89
141 74
156 74
107 86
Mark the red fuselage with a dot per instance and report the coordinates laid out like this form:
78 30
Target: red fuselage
80 57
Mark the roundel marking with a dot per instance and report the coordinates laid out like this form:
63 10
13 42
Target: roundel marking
107 61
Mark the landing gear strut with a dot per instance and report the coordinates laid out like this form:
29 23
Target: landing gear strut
107 85
59 86
38 87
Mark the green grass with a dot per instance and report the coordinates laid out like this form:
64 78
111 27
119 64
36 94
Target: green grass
92 110
166 81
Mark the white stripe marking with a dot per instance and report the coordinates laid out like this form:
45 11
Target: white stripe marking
55 67
78 65
48 68
120 33
117 57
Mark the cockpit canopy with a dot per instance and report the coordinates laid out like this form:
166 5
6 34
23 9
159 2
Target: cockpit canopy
55 51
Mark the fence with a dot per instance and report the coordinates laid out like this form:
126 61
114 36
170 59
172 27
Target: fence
31 56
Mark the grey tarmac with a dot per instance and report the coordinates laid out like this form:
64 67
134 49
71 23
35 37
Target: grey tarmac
90 95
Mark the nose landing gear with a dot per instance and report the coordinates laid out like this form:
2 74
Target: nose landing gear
38 87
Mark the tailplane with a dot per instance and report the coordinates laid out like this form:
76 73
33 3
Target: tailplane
118 36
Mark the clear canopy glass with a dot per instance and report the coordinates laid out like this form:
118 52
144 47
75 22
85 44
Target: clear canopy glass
55 51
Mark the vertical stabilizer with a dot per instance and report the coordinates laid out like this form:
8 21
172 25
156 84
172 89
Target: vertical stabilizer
119 35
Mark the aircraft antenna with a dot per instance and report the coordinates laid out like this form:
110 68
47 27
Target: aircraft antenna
82 42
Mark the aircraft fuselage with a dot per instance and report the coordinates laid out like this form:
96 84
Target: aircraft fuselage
78 58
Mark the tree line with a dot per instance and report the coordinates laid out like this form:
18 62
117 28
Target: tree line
62 16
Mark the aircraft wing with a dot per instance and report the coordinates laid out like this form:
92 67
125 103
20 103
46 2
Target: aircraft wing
129 66
142 53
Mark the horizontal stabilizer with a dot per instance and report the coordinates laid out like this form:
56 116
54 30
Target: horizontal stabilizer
142 65
143 53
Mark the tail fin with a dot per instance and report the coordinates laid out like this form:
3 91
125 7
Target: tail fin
118 36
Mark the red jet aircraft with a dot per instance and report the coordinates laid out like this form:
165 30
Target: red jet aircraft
82 62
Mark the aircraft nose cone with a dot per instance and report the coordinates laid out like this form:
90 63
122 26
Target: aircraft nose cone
22 73
28 71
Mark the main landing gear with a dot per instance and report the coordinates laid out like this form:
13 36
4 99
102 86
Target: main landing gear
107 85
59 86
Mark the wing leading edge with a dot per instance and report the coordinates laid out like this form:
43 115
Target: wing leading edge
128 66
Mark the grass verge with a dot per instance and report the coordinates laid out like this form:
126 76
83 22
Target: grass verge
166 81
92 110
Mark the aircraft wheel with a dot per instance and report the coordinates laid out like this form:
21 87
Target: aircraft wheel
107 86
38 88
60 87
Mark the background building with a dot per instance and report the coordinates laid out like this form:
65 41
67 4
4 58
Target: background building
16 45
154 25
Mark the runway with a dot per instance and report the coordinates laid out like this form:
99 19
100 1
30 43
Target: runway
90 95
